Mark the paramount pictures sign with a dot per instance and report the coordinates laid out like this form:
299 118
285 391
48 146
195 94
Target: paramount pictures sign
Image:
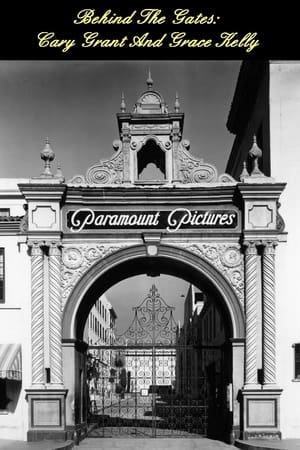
89 220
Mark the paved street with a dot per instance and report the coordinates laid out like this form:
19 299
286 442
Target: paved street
153 444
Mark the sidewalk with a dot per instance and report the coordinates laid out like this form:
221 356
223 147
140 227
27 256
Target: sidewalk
6 444
284 444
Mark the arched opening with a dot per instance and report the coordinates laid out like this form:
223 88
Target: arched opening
174 262
151 163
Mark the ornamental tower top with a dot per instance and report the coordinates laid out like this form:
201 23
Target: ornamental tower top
151 134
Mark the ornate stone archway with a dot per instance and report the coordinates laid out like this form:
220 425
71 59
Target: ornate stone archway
210 264
89 233
208 271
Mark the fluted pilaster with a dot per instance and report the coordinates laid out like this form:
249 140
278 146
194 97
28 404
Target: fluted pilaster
269 314
251 274
37 313
55 313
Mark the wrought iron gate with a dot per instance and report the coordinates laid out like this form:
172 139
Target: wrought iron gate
148 382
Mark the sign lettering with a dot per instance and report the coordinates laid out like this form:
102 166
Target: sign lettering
86 219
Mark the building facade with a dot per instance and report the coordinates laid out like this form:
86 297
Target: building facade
100 331
267 103
221 233
101 323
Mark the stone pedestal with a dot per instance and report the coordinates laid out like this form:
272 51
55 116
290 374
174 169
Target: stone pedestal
261 412
46 414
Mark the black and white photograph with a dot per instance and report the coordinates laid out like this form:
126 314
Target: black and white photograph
149 216
148 253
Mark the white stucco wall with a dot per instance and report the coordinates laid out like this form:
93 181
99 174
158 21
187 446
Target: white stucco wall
15 312
285 166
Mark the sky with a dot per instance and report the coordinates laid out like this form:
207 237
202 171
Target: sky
74 104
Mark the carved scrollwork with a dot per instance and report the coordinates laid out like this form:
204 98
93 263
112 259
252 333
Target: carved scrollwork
186 144
134 145
78 259
194 170
77 180
150 99
117 145
104 172
225 178
167 145
150 127
227 258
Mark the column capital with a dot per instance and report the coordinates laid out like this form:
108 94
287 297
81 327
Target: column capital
250 247
35 247
54 248
269 246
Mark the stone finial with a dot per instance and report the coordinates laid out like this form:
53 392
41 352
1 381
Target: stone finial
244 173
123 105
59 175
255 153
149 81
177 104
47 155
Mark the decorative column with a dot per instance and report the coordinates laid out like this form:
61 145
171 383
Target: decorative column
260 400
268 313
46 394
55 332
251 276
37 313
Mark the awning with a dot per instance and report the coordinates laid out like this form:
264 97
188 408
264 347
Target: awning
10 361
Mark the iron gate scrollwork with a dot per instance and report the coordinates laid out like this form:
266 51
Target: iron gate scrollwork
140 388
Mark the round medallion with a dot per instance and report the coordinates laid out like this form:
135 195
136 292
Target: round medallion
231 257
72 257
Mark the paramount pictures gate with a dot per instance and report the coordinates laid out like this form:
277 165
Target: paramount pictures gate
143 391
91 232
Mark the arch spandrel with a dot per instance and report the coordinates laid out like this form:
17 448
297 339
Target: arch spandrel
116 264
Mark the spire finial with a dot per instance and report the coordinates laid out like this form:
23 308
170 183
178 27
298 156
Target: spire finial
177 104
245 172
123 105
255 153
149 80
47 155
59 173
